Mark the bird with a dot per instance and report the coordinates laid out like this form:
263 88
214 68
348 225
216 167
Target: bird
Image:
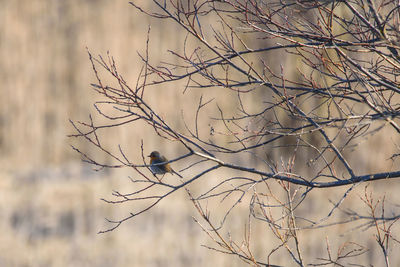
157 166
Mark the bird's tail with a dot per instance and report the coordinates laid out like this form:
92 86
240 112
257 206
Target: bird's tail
174 172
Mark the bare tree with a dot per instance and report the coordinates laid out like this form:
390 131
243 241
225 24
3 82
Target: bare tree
314 81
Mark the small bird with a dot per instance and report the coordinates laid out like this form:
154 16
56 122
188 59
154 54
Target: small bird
157 166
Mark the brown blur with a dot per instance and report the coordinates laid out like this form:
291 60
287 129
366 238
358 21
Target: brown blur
50 201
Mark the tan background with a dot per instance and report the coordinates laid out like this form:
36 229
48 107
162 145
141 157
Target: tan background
50 204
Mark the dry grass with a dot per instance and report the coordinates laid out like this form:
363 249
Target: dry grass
54 222
53 217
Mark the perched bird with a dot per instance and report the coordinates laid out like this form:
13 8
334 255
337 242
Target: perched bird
158 165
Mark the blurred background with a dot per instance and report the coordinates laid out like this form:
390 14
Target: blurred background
50 201
50 204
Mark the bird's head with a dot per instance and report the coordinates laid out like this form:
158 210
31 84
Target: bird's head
154 154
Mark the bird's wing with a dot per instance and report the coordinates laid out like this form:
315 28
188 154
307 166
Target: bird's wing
163 159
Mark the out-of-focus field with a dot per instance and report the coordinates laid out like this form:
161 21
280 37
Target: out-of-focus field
50 206
50 202
50 217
